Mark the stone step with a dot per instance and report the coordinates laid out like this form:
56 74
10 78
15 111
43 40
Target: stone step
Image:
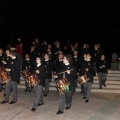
95 85
113 71
95 78
78 89
112 83
96 81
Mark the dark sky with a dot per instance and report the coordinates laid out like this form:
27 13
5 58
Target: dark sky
62 20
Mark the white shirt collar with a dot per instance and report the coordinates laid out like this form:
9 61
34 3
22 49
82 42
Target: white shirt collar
60 60
75 56
38 65
46 60
14 58
27 59
87 60
67 63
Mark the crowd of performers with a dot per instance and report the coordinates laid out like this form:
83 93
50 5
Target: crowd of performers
46 61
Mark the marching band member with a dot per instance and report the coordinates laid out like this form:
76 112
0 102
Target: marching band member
102 70
6 61
41 75
28 65
14 71
68 72
87 67
1 65
48 67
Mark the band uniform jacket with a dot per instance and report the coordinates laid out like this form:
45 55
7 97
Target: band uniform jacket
70 77
7 60
76 63
15 70
90 72
1 59
104 69
42 74
58 66
28 64
48 67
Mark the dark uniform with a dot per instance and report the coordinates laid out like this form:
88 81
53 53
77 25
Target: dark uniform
48 67
90 73
1 65
102 70
39 88
14 73
67 98
28 65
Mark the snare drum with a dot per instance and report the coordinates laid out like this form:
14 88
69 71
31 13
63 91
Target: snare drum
83 79
32 81
2 69
25 73
62 85
4 77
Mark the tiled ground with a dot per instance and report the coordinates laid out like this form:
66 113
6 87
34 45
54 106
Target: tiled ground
102 106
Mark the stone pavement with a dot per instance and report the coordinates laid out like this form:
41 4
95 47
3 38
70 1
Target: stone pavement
102 106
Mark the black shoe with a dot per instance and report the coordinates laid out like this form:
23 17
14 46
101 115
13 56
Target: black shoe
0 90
40 104
68 107
4 95
100 87
59 112
44 95
3 102
104 85
11 90
84 97
87 101
12 102
81 91
33 109
25 90
29 90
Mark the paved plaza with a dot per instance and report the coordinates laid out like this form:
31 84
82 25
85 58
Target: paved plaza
102 106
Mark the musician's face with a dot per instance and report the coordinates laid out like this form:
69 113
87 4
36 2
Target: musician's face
38 60
1 51
65 61
7 52
46 56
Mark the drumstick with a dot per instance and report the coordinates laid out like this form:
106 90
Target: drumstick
65 71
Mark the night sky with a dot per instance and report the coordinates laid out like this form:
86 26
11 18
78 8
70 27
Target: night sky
60 20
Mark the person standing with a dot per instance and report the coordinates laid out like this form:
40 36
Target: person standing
14 71
87 68
48 67
102 66
27 66
41 76
68 72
